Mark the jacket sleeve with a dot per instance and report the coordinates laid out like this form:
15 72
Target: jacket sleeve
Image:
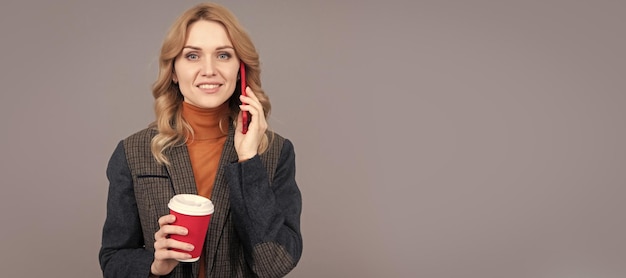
267 216
122 253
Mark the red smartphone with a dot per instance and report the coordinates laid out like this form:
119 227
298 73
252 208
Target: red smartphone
245 115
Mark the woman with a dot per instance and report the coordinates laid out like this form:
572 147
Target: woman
197 146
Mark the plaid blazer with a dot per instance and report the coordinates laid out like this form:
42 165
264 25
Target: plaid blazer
254 231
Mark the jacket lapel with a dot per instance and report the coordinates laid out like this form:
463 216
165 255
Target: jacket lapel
220 198
183 181
180 171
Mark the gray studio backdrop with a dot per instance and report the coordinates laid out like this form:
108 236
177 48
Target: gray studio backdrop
433 138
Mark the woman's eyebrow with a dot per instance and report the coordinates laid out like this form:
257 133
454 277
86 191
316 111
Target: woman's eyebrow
224 47
192 47
200 49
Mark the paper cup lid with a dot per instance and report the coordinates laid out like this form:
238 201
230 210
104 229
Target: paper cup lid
191 204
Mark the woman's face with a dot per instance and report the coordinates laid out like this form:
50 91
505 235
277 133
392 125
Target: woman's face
207 68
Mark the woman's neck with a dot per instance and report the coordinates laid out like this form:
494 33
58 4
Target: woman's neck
205 122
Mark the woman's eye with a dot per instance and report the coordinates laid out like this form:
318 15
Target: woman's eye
192 56
223 56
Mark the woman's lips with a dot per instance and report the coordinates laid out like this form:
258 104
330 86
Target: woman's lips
209 88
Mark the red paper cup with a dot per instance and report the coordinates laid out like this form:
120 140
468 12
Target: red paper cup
194 213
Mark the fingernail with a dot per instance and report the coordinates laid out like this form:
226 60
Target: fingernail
190 247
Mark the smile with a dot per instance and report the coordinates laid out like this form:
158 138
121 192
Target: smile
208 86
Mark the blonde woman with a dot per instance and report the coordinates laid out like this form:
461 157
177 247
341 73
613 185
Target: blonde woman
196 146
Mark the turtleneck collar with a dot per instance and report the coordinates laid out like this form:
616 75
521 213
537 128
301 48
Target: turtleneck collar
205 122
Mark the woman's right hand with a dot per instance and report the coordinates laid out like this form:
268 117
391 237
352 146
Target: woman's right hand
165 260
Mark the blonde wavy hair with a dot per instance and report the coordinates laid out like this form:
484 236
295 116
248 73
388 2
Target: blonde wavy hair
171 126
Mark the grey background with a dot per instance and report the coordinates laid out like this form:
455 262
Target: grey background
433 138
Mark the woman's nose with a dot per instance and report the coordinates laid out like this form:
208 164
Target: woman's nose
208 67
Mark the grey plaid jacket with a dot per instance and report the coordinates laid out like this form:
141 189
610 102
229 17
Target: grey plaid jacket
254 231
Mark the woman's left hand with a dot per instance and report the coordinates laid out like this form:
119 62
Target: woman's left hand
247 145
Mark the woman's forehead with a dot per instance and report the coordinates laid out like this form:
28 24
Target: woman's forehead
207 34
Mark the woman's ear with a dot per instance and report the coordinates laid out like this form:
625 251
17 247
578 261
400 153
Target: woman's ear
174 78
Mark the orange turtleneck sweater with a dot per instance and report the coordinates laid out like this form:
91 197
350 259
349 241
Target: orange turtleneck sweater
206 144
205 148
